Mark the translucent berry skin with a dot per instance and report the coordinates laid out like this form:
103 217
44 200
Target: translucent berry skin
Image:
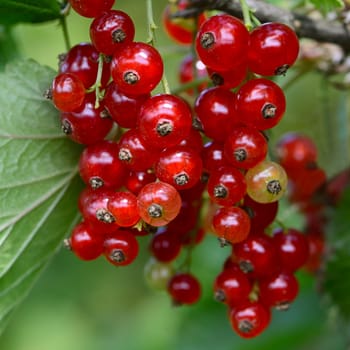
260 103
193 140
123 207
68 92
213 156
82 60
228 79
278 290
292 248
99 165
245 147
86 125
250 319
86 244
222 41
226 186
123 109
184 288
158 203
256 255
138 179
93 205
296 151
231 224
179 166
215 108
232 287
266 182
273 48
261 214
121 248
91 8
164 121
110 30
137 68
165 246
133 152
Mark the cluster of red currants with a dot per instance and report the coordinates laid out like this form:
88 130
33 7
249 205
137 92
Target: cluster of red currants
151 162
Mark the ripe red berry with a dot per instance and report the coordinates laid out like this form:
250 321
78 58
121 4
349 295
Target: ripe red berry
213 156
137 68
232 287
250 319
184 288
278 290
68 92
245 147
273 48
121 247
179 166
110 30
260 103
86 125
99 165
222 42
165 246
215 109
226 186
138 179
158 203
82 60
231 224
91 8
164 121
228 79
123 207
85 243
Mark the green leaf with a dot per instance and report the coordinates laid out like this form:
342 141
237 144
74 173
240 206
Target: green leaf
8 47
336 281
326 6
29 11
39 185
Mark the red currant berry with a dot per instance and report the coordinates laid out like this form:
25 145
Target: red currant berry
228 79
137 68
256 255
123 109
82 60
222 41
273 48
85 243
99 165
193 140
121 248
184 288
245 147
164 121
213 156
138 179
123 207
292 248
165 246
158 203
250 319
110 30
68 92
215 109
226 186
179 166
260 103
91 8
278 290
266 182
232 287
87 125
231 224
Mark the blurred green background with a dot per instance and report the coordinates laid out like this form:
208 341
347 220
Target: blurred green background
93 306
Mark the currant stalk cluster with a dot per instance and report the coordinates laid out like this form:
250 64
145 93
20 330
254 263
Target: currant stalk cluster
151 162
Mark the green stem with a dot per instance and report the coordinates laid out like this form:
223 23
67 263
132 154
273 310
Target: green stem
250 21
64 26
152 39
97 85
